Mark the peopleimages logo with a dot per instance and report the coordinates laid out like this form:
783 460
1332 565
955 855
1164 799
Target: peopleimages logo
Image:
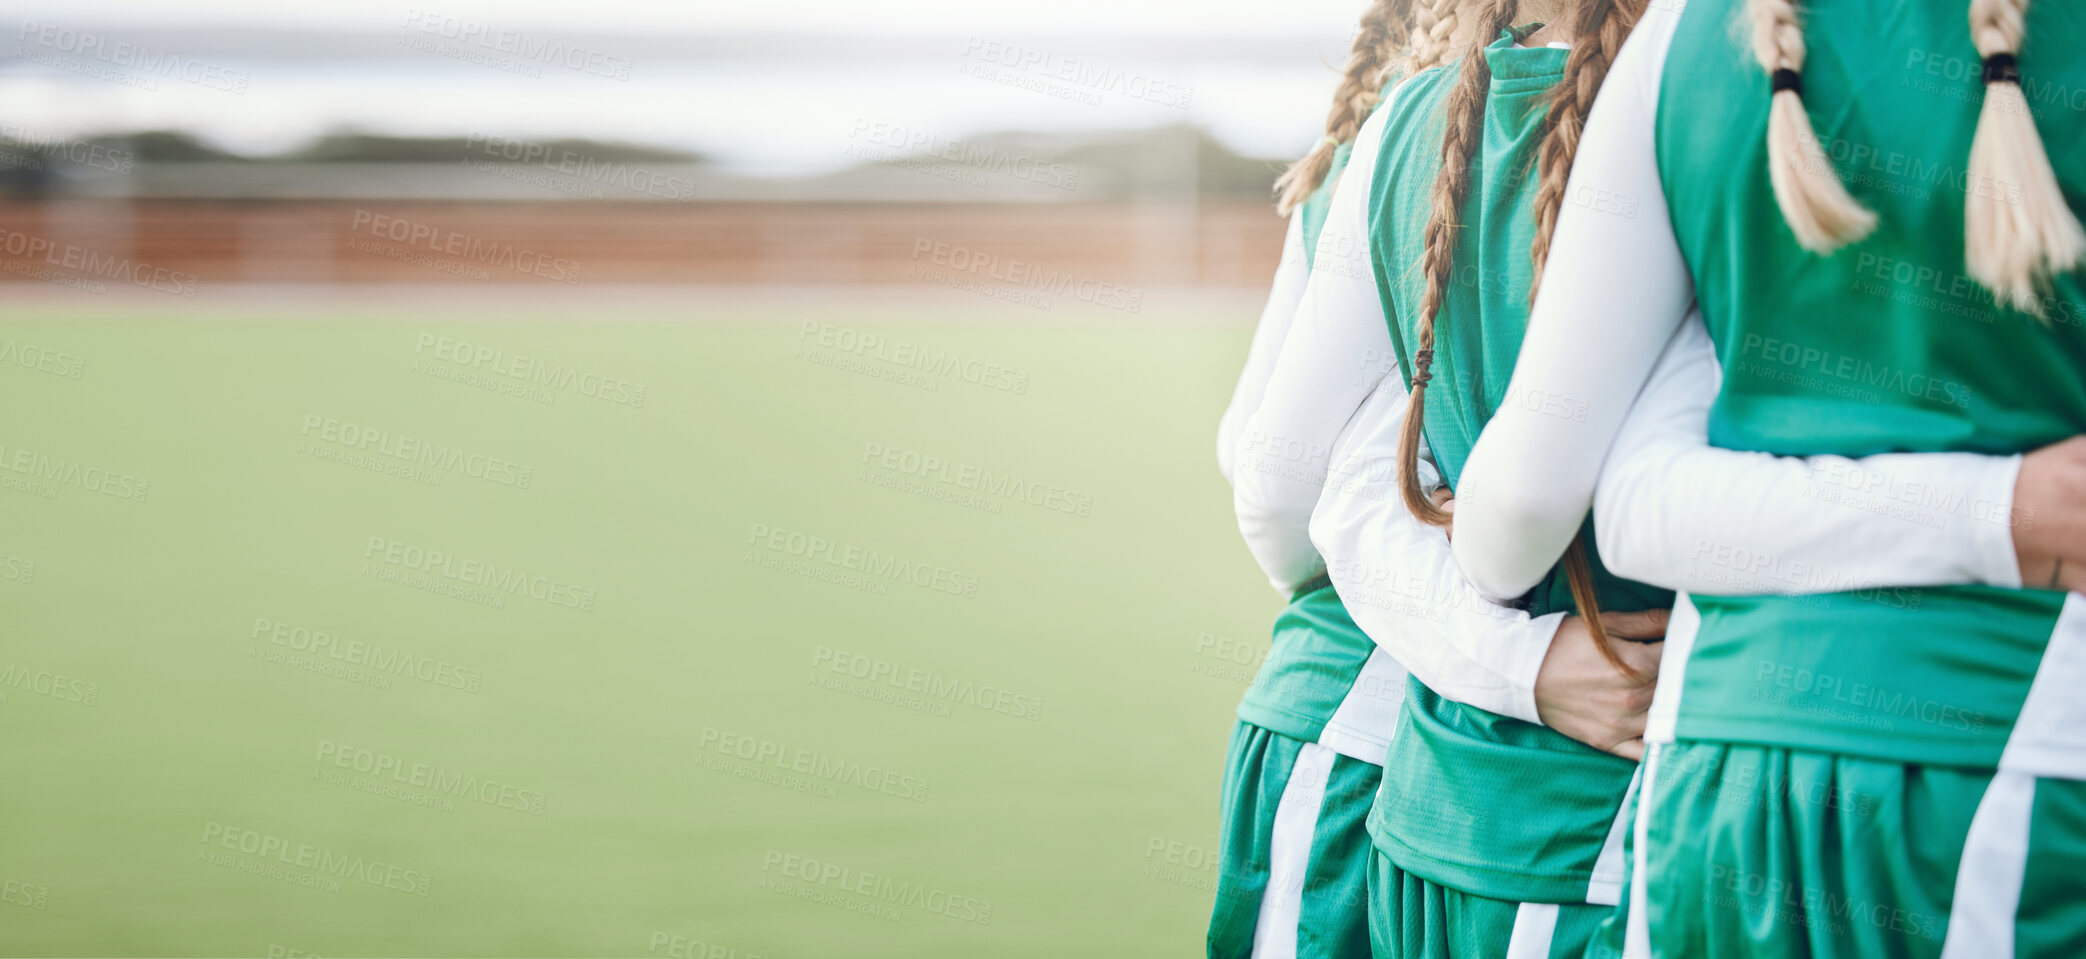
479 573
373 656
919 145
1024 275
469 249
29 356
41 469
412 451
929 683
86 262
683 947
820 767
977 479
1823 692
43 682
436 779
26 894
525 49
1790 362
870 566
533 371
877 887
1079 75
899 353
578 166
318 859
86 153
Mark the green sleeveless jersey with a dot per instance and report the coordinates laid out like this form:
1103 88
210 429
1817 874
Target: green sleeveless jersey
1313 210
1318 682
1324 680
1480 802
1314 207
1884 346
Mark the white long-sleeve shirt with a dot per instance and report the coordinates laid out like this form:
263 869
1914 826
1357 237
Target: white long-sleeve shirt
1335 353
1333 405
1283 297
1670 509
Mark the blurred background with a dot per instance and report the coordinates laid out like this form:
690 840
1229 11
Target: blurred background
628 478
790 144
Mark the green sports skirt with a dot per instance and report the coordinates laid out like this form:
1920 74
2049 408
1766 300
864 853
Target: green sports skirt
1415 918
1293 858
1771 853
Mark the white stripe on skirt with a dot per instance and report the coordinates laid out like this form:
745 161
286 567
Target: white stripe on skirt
1289 853
2045 742
1664 716
1988 882
1636 940
1605 888
1535 924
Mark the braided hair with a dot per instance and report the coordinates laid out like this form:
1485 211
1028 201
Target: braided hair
1385 30
1599 28
2014 239
1816 205
2012 245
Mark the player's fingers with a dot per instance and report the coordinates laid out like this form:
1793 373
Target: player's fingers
1630 749
1648 624
1642 657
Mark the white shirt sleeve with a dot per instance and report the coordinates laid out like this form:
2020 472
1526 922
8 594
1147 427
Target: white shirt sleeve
1337 349
1399 581
1592 336
1288 289
1674 511
1333 407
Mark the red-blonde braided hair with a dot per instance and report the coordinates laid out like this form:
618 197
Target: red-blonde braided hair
1598 29
1387 28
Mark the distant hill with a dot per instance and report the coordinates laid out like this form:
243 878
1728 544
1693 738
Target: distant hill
1169 163
1177 160
373 148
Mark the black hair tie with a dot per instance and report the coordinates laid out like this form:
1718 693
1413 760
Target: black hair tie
1786 79
2003 68
1423 367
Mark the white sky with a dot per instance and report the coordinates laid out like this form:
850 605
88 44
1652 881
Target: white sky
1140 17
725 109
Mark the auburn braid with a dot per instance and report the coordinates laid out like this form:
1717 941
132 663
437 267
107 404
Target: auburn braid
1385 28
1463 129
1599 28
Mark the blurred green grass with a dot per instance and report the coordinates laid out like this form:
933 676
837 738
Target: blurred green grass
198 730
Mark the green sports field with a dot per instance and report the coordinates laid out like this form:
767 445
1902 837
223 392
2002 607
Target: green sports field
718 632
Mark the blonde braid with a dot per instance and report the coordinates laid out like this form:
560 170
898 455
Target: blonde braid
1814 202
1434 25
1463 130
1384 31
2014 240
